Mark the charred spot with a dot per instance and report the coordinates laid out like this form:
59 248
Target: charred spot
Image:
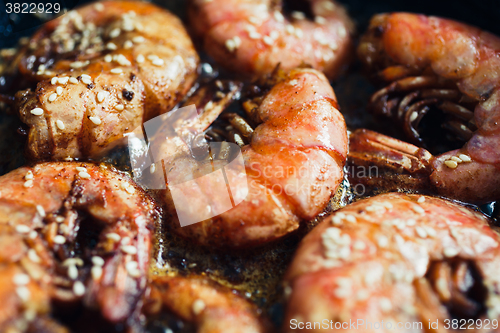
378 31
127 94
132 76
90 86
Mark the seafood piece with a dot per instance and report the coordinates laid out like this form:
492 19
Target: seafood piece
72 232
210 307
253 37
101 71
396 258
294 146
441 67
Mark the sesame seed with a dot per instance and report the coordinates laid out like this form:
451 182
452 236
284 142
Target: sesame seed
320 20
81 169
73 80
274 34
128 44
421 200
23 293
37 111
21 279
22 229
119 107
63 80
59 239
72 272
140 58
52 97
95 120
298 15
113 236
115 33
456 159
138 39
78 288
129 249
413 116
84 175
418 209
132 268
40 210
108 58
130 189
450 252
79 64
341 31
359 245
128 26
86 76
54 80
101 95
59 219
60 124
268 40
28 183
59 90
97 261
99 7
279 17
29 175
299 33
385 304
86 80
96 272
33 256
464 158
152 57
111 46
290 29
421 232
72 262
198 306
351 218
158 62
328 5
116 71
293 82
382 241
152 168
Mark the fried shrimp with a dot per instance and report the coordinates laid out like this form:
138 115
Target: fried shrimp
71 233
396 258
101 71
293 142
253 37
438 67
208 306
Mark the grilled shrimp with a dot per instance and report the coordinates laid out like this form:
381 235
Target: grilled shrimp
209 307
101 70
294 145
253 37
448 69
72 232
396 259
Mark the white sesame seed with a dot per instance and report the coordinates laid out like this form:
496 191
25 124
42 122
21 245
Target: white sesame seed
95 120
115 33
63 80
298 15
421 200
274 34
111 46
28 175
359 245
60 124
108 58
417 209
152 57
72 272
59 90
37 111
52 97
99 7
254 35
293 82
78 288
21 279
72 262
22 229
268 40
86 76
81 169
385 304
116 71
382 241
113 236
237 41
450 252
28 183
456 159
279 17
138 39
40 210
198 306
23 293
128 44
140 58
96 272
59 239
464 158
431 232
290 29
101 95
351 218
86 80
54 80
130 189
129 249
320 20
73 80
33 234
413 116
451 164
84 175
152 168
79 64
299 33
119 107
327 5
158 62
132 268
97 261
341 31
421 232
33 256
